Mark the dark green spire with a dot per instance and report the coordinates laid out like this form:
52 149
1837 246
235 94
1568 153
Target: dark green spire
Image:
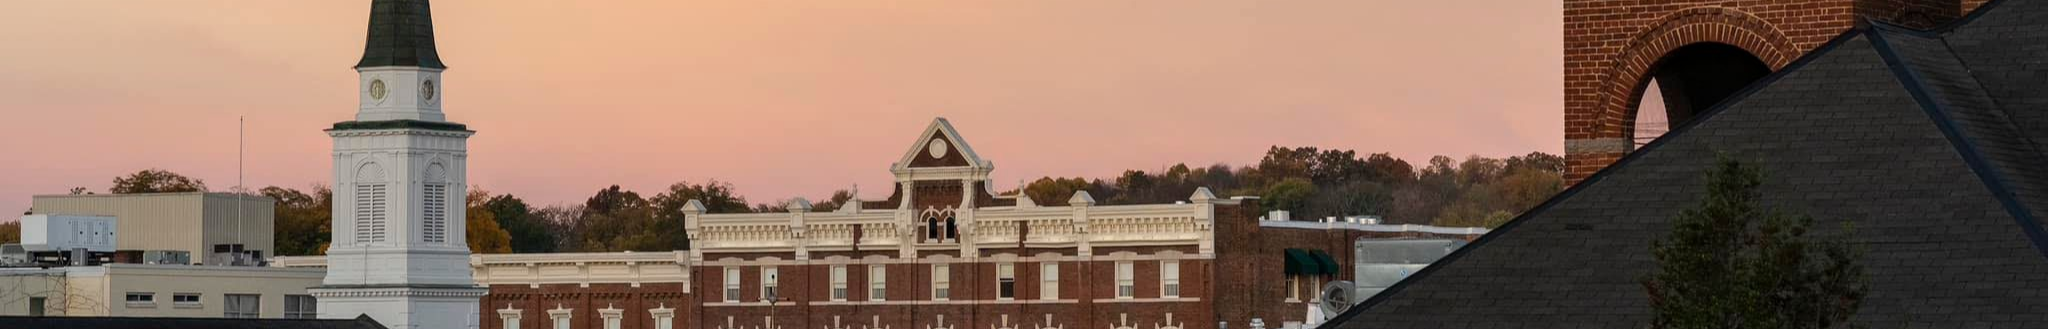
401 34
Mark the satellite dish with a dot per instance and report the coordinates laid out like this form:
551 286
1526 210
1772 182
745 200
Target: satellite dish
1337 297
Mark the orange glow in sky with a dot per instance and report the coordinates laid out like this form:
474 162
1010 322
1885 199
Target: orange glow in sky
781 98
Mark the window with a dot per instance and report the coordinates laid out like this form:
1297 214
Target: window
942 285
1006 281
434 222
1169 278
768 285
664 318
35 305
240 306
510 317
560 316
732 284
185 300
1126 284
369 213
1294 288
135 298
839 282
611 317
952 230
878 282
300 307
1049 281
1315 295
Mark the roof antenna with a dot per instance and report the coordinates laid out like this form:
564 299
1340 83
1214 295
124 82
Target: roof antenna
241 147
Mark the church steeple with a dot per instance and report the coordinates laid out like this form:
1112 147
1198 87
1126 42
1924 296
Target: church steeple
399 250
401 34
400 70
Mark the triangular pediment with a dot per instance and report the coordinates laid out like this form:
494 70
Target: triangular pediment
939 146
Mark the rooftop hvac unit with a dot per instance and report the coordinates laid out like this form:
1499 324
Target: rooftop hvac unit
1379 263
167 257
1338 296
47 232
13 254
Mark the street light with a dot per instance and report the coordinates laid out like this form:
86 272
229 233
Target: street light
770 298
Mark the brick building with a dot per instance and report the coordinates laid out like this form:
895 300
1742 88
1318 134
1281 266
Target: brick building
942 251
1698 53
1928 141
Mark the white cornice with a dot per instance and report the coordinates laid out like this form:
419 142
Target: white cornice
400 132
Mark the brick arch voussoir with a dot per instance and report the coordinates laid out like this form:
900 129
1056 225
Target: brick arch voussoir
1616 118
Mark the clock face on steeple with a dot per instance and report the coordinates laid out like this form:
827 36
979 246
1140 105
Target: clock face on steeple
427 90
377 89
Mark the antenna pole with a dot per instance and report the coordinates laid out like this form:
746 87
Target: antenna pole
241 147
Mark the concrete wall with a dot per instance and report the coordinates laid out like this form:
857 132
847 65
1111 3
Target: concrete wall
212 283
192 222
103 290
18 286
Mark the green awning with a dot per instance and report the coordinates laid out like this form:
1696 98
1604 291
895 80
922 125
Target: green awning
1330 265
1300 262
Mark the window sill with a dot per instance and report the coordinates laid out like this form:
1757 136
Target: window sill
188 305
1291 300
141 304
1150 300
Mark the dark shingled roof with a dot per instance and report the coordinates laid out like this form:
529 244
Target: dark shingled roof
72 322
1929 141
401 34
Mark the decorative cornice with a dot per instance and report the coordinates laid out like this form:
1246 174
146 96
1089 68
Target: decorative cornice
326 292
399 124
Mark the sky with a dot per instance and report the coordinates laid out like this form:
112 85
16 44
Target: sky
780 98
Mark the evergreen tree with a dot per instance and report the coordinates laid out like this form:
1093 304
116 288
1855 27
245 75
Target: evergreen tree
1730 263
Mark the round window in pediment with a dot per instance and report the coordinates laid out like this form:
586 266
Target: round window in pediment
937 148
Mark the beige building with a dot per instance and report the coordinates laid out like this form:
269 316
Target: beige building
138 290
201 223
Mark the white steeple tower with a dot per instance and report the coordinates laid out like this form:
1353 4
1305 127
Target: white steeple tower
398 252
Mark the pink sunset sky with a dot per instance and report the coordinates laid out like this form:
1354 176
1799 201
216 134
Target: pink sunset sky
781 98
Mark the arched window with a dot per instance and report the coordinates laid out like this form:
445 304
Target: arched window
1689 81
931 228
952 231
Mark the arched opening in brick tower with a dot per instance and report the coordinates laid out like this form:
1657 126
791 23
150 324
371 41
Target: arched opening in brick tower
1687 81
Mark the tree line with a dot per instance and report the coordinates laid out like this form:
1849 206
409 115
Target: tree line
1313 183
1307 181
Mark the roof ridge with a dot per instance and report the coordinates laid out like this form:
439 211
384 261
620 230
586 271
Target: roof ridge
1596 177
1969 17
1990 175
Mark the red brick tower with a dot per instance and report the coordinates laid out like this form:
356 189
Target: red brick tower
1698 52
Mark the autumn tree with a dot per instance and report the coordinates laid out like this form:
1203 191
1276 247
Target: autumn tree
527 228
561 224
618 220
481 225
839 199
1729 262
304 221
156 181
716 196
1055 191
10 232
1291 195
